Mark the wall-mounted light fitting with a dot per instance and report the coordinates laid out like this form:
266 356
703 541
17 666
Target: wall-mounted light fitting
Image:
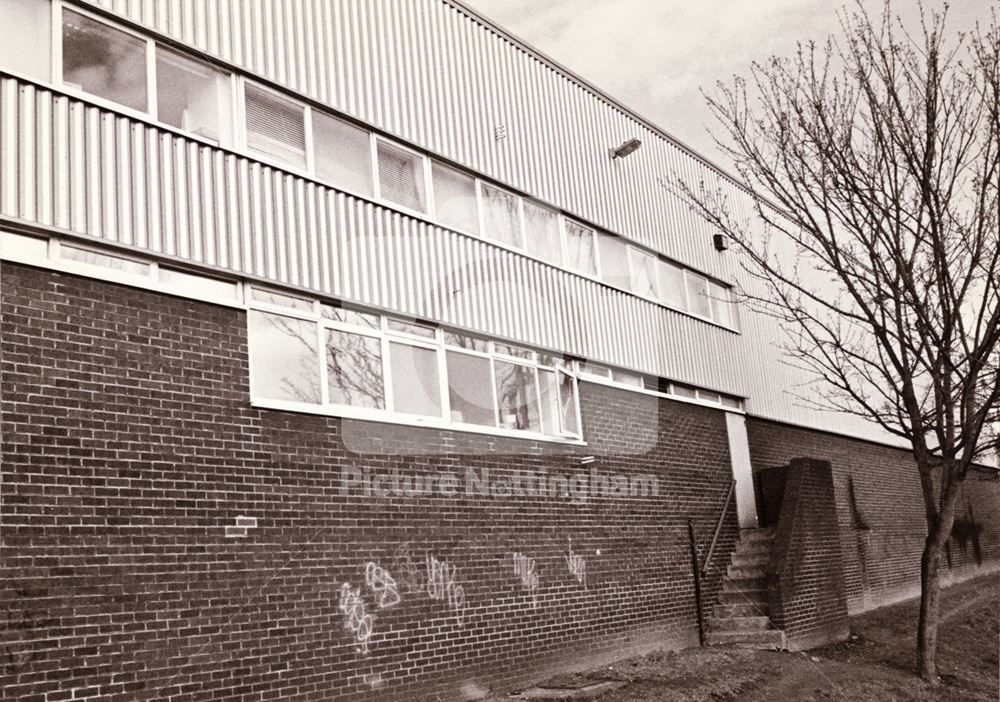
625 149
720 241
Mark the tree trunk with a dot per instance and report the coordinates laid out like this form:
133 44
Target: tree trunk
930 595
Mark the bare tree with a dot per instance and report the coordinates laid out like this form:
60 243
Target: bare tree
874 162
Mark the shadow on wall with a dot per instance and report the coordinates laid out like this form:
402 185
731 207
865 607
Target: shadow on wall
966 531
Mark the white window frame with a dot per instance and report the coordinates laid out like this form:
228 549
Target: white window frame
481 202
634 255
424 173
244 132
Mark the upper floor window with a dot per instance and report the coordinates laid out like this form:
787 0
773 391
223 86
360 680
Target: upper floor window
542 233
455 202
275 125
502 216
580 253
343 153
401 177
191 95
104 61
613 260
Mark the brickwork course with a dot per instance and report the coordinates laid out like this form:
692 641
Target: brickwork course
163 539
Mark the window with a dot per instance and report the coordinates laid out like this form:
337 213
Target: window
470 392
455 202
284 360
191 95
613 260
354 369
580 248
104 61
642 266
627 378
342 154
199 284
697 293
517 398
275 125
70 252
721 303
346 315
415 385
272 297
570 403
501 216
542 235
401 177
426 331
672 290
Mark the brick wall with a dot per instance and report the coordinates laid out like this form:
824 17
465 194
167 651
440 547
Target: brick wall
880 512
162 539
805 582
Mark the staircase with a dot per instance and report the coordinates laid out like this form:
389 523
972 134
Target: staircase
742 616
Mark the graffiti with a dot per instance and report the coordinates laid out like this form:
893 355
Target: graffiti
406 569
524 568
443 587
17 636
382 584
577 565
356 619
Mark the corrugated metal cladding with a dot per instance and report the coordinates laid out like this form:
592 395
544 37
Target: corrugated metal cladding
429 72
67 164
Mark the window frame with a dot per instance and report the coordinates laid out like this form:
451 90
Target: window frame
435 343
423 172
481 201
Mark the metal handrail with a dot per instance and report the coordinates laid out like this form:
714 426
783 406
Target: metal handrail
718 526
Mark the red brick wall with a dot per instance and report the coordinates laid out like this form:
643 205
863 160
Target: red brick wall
880 511
806 584
130 450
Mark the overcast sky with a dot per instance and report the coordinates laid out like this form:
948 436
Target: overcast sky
654 55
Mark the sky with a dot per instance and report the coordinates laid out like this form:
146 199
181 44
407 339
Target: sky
656 55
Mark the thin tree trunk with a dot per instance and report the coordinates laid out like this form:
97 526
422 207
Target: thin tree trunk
930 594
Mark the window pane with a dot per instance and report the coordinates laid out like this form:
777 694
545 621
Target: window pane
643 269
627 378
684 391
104 61
415 382
580 248
199 284
568 398
500 216
94 258
469 389
541 226
709 396
591 368
349 316
455 198
354 369
551 410
516 396
275 126
401 177
191 95
343 153
285 362
722 306
276 298
515 351
697 288
464 341
414 328
672 285
613 257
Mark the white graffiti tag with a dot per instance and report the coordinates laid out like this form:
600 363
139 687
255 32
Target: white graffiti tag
382 584
356 619
577 565
442 586
524 568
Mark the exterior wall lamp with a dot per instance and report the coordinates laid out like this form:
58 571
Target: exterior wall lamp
625 149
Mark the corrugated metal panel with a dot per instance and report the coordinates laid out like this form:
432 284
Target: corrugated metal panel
430 73
67 164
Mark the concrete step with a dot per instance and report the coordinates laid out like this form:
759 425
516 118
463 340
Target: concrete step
753 548
753 559
745 583
742 609
770 639
732 624
738 573
758 598
756 535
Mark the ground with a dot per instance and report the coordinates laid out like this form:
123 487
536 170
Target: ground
876 664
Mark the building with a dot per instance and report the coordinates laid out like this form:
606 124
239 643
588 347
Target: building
346 354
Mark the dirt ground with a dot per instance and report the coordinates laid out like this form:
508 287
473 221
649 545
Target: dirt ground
876 664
